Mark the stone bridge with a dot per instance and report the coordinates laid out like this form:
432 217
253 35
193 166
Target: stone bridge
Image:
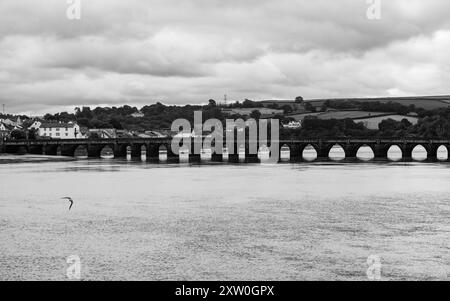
152 146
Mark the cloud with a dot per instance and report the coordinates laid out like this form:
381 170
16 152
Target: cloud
189 51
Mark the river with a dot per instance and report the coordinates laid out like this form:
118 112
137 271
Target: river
144 221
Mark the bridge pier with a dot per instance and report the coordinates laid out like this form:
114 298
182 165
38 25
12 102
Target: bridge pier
116 150
351 151
23 150
94 151
432 152
153 150
295 150
407 151
322 152
380 151
135 150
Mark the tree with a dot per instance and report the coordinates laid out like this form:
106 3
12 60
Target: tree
212 103
309 107
274 106
299 99
390 124
114 121
255 114
248 104
17 134
32 134
287 109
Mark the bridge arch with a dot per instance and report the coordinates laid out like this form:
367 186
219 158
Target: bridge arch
128 151
263 153
22 150
365 152
310 153
419 153
242 153
81 152
285 153
442 153
183 154
336 152
163 153
123 150
107 152
394 152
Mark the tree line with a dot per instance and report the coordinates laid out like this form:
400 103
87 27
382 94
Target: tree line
433 124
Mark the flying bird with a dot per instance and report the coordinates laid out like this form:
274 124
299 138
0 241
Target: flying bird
70 200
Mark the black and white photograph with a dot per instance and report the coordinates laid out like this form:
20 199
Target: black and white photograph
225 147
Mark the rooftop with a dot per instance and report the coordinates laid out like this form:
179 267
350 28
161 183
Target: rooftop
57 125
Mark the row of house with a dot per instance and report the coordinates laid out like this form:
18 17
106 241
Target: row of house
58 130
66 130
72 130
7 126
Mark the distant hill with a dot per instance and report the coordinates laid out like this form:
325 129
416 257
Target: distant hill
425 102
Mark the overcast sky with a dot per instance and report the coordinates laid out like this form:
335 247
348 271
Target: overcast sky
188 51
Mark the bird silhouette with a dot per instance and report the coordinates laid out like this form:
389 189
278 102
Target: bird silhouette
70 200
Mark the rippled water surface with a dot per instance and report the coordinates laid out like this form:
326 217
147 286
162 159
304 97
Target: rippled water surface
138 221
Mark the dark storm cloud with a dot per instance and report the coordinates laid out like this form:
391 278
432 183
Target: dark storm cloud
192 50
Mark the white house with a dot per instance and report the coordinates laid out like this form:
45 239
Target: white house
36 125
137 115
8 121
69 130
293 125
5 130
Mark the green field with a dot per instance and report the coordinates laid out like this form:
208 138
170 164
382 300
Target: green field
425 102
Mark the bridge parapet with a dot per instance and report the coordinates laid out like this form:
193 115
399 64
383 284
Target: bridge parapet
380 147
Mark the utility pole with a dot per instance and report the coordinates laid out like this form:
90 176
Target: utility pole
225 99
